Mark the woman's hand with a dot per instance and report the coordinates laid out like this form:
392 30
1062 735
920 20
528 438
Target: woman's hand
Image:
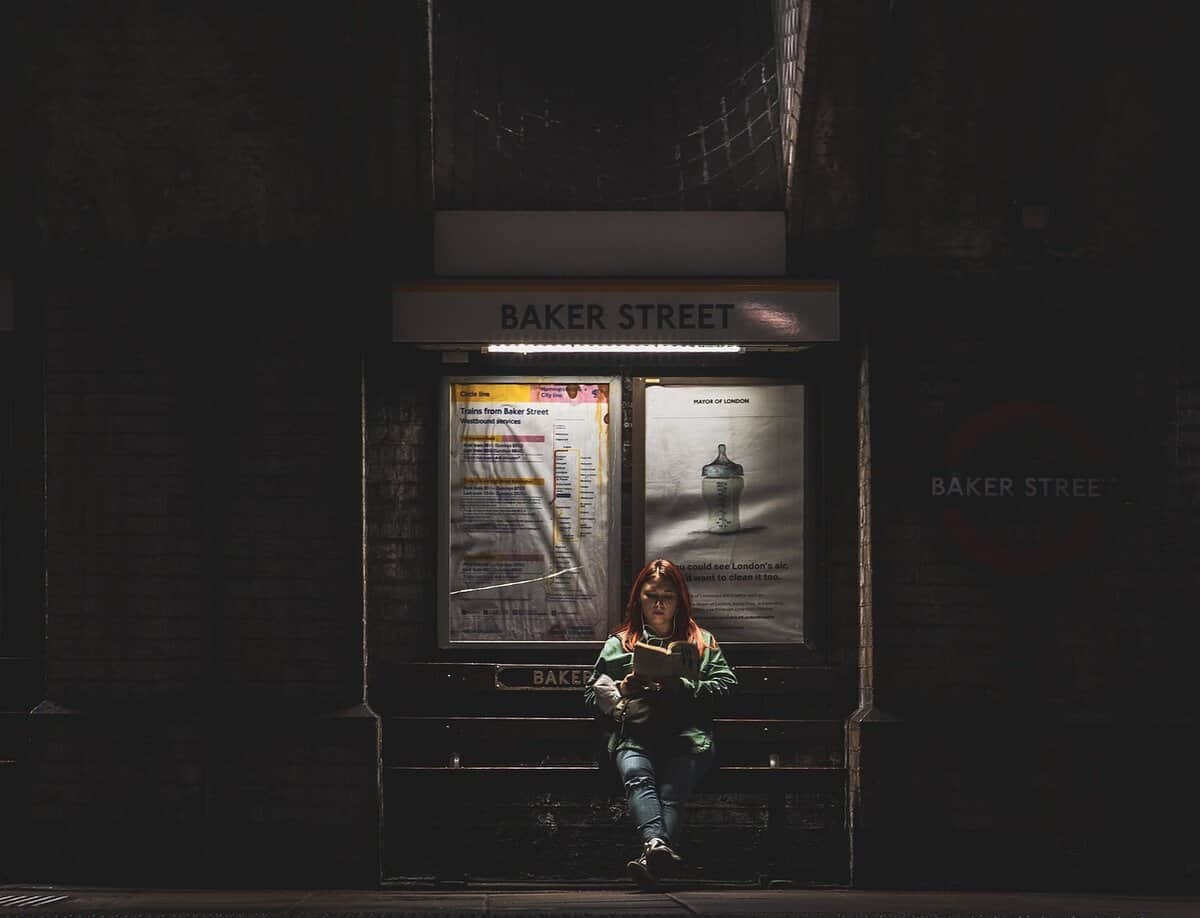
633 687
673 685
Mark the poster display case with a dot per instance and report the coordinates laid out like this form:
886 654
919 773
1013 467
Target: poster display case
529 510
721 485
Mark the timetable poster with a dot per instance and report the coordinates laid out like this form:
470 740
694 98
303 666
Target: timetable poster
724 500
529 509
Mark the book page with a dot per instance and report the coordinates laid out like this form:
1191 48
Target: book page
653 664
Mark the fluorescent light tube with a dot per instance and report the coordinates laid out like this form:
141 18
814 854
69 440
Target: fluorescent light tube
613 348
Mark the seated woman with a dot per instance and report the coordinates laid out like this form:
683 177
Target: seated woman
660 733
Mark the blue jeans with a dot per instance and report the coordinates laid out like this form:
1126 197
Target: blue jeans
657 787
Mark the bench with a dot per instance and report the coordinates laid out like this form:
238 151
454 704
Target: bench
481 735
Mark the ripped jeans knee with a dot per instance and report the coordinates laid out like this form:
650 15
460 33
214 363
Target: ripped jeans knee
641 793
638 780
657 789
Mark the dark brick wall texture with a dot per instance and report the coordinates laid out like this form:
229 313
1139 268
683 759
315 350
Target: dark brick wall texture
203 587
205 208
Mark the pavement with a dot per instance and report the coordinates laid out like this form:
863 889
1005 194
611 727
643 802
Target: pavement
545 902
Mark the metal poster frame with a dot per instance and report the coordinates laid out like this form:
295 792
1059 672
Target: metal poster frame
612 482
808 453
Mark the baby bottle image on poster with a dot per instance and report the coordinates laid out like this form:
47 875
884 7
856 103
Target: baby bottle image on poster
721 484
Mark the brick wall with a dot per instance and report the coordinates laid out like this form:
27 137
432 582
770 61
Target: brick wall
1117 384
126 493
204 578
979 134
993 110
1050 704
987 182
401 507
203 205
203 487
247 128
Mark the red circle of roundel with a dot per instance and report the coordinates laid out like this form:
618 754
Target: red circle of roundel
1081 534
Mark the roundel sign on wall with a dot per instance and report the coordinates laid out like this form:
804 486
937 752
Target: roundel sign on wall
1024 488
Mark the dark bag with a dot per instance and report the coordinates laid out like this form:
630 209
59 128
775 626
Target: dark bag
640 718
638 712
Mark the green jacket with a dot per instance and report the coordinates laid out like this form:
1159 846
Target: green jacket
681 719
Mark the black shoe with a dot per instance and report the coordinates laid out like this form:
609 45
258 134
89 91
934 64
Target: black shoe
640 873
661 858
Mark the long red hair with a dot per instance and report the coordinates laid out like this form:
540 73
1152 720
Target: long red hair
685 627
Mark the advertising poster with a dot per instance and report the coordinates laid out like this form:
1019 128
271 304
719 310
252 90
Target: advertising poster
724 499
529 515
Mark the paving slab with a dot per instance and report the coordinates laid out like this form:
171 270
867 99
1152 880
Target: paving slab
909 904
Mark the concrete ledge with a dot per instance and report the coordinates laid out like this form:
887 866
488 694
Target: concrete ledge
675 899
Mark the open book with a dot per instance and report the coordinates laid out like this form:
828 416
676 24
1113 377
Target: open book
657 664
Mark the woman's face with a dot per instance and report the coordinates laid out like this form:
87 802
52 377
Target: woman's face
659 602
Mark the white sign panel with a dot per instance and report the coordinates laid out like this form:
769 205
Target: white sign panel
578 312
724 499
529 515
